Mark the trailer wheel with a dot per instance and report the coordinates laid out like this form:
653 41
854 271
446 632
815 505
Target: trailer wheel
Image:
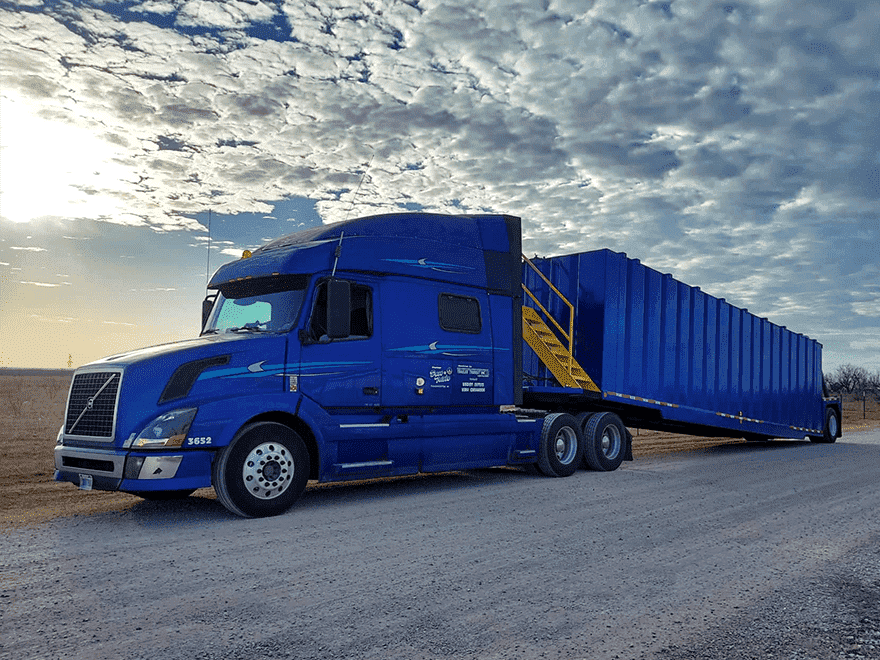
831 429
263 470
562 445
604 442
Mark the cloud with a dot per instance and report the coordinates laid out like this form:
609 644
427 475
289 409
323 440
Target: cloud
732 144
47 319
27 249
44 284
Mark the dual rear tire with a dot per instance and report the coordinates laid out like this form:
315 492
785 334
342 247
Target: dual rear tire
605 440
595 441
562 445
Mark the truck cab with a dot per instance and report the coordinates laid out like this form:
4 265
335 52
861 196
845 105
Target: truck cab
381 346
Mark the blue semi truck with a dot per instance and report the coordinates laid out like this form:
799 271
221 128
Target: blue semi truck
413 342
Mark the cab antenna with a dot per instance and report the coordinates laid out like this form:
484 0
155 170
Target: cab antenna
363 176
208 258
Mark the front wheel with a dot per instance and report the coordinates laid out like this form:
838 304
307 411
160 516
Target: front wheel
604 442
562 445
831 429
263 470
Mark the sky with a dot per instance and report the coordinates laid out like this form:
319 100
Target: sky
734 144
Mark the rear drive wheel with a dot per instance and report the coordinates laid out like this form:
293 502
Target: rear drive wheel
582 418
263 470
831 429
562 445
604 442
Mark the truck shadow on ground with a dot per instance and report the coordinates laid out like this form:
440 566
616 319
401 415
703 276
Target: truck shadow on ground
754 447
203 507
795 448
333 494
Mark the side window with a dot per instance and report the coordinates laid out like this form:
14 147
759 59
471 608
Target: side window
460 314
361 313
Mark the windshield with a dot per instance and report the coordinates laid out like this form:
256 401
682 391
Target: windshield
269 304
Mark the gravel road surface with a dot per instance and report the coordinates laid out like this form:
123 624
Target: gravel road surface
767 550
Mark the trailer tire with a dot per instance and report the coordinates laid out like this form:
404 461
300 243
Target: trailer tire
263 471
562 445
605 442
830 430
162 495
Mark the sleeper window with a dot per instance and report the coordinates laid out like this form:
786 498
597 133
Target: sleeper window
460 314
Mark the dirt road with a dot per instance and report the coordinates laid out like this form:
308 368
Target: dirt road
735 551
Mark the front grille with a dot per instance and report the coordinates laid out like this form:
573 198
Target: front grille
87 463
91 408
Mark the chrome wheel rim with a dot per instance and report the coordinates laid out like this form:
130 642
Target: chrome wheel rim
611 442
832 426
565 445
268 470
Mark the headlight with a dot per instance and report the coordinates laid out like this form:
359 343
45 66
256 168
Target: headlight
168 430
59 439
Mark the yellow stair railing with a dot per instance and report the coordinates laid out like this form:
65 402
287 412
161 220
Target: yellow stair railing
558 358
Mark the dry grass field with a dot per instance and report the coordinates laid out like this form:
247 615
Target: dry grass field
32 407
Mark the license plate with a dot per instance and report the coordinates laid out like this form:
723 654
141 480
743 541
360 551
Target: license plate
85 482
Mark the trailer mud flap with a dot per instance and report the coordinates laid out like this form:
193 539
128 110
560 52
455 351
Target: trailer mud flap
628 454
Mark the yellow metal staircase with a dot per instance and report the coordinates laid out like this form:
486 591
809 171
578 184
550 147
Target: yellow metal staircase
552 352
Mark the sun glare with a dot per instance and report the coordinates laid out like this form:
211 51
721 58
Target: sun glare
53 169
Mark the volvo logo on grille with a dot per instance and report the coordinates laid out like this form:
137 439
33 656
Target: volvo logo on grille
90 403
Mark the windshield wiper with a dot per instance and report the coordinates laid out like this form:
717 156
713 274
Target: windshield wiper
251 327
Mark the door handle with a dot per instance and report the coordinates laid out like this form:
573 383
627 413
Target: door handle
371 391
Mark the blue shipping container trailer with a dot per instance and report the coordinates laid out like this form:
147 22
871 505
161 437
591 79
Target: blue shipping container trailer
413 342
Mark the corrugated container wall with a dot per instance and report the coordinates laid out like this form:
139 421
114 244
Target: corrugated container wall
641 333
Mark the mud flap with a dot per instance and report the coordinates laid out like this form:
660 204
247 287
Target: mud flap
628 455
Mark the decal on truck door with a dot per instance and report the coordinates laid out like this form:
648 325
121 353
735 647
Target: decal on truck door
440 377
473 378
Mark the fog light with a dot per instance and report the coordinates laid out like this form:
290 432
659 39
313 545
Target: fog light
133 465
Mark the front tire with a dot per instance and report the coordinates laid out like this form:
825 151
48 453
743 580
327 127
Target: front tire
831 429
604 442
562 445
263 471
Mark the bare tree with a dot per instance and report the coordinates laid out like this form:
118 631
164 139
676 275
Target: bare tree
848 379
831 384
872 384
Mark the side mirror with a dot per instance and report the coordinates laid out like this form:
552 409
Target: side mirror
338 309
207 306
